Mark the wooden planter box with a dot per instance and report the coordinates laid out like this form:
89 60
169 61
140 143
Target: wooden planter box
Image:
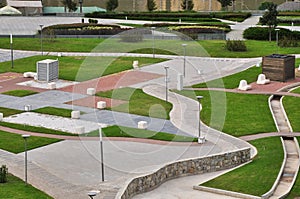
279 67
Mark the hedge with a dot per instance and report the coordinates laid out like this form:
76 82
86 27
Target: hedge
262 33
172 16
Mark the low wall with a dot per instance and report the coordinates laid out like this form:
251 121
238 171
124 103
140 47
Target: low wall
182 168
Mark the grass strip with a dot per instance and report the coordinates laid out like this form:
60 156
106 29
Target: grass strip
121 131
257 177
54 111
35 129
290 105
139 103
15 143
8 112
15 188
20 93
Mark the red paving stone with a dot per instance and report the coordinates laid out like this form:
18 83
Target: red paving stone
110 82
8 81
91 102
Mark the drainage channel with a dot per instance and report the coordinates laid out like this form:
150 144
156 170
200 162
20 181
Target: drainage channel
291 165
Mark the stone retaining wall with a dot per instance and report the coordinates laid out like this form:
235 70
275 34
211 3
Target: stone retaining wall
184 168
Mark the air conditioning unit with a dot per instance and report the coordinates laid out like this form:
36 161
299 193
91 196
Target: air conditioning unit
47 70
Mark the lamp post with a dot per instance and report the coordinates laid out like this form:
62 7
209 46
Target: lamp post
41 26
25 137
200 139
92 194
101 151
80 3
277 30
11 51
153 42
166 80
184 58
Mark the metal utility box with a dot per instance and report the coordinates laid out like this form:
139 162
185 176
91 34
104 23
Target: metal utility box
47 70
279 67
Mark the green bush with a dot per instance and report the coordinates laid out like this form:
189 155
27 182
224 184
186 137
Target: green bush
288 42
235 45
93 21
3 174
261 33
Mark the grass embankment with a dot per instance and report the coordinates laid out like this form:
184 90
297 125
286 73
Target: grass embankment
15 143
121 131
232 81
257 177
80 68
8 112
290 105
15 188
233 113
20 93
138 103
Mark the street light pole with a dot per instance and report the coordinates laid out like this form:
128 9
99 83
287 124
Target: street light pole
41 25
11 51
184 58
101 151
80 3
277 43
166 80
200 139
25 137
153 42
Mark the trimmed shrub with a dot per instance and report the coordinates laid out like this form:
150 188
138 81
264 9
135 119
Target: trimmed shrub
235 45
3 174
93 21
261 33
288 42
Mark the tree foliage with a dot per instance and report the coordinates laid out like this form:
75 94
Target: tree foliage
111 5
264 5
187 5
71 5
270 18
151 5
225 3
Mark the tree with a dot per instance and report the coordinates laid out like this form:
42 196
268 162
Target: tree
71 5
187 5
270 18
264 5
111 5
2 3
225 3
151 5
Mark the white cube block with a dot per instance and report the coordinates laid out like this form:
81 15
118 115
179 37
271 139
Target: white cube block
79 129
27 107
52 85
142 125
75 114
101 104
135 64
90 91
1 116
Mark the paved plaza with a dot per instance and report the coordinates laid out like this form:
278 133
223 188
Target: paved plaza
72 167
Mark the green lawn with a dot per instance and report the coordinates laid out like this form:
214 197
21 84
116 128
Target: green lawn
290 105
139 103
35 129
15 188
80 68
54 111
233 113
121 131
15 143
232 81
53 45
215 48
20 93
257 177
150 51
7 111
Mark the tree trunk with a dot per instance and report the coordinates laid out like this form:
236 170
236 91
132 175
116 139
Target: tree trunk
270 34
